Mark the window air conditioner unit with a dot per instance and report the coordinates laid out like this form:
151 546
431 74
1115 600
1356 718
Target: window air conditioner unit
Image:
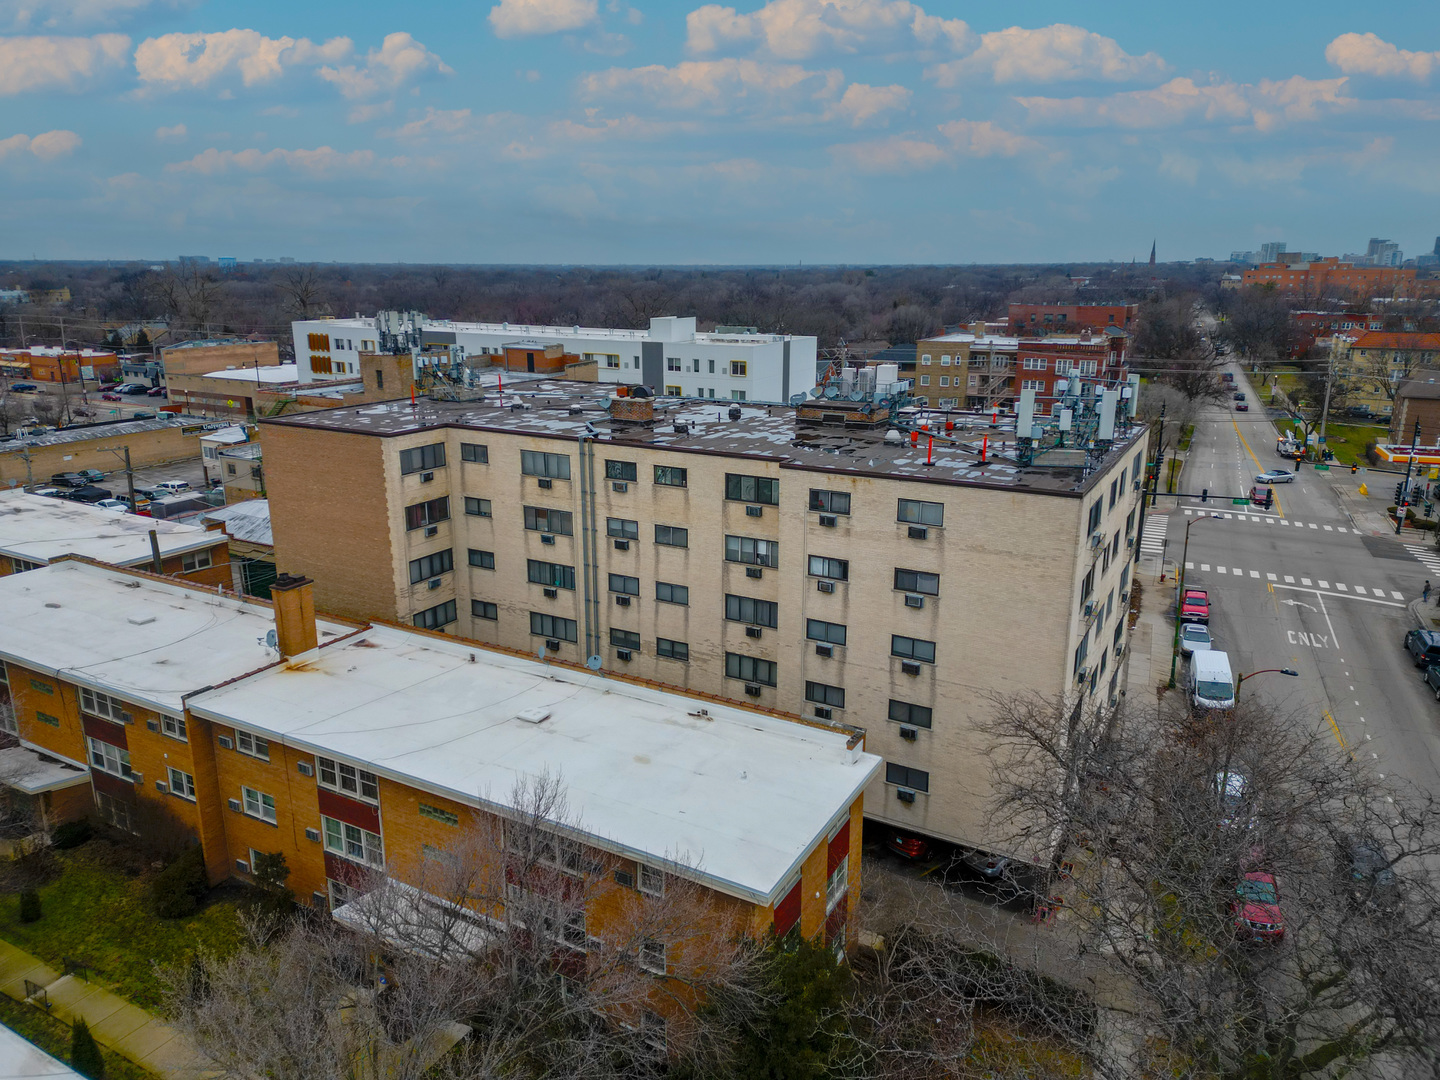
913 600
426 477
546 538
918 532
551 644
1137 485
543 482
622 654
436 582
625 878
905 795
824 586
827 520
234 804
1096 539
909 667
1082 674
126 718
753 689
822 713
137 777
319 901
152 725
432 530
312 835
1124 598
824 650
1119 650
619 485
1089 608
754 511
242 866
622 601
551 594
1129 542
622 545
161 786
752 631
226 743
754 571
909 734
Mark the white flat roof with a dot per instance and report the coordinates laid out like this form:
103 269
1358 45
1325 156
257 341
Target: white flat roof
31 772
21 1059
275 373
41 527
248 520
226 435
148 642
737 796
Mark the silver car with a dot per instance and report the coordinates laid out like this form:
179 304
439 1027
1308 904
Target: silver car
1275 476
1195 637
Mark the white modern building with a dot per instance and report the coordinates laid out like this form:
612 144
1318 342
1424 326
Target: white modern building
671 357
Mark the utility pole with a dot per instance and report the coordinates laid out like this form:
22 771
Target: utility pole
1325 409
1409 464
129 472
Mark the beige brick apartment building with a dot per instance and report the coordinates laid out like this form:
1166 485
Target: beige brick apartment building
745 552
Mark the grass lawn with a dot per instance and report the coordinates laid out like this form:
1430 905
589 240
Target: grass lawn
96 912
1347 441
53 1036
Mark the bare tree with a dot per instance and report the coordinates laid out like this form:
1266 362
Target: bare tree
303 291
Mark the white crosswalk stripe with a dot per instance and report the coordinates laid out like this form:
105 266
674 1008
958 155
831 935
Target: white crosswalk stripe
1427 555
1257 519
1358 590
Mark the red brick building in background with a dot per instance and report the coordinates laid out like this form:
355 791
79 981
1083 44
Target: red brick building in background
1331 277
1033 319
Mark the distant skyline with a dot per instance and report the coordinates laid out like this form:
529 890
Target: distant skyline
625 132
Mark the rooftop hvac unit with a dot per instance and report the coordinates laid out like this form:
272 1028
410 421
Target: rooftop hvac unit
909 734
822 713
754 571
824 586
305 768
825 650
622 654
544 482
426 477
619 485
436 582
225 742
622 545
622 601
752 631
234 804
753 689
547 538
552 644
918 532
552 594
905 795
913 600
312 835
432 530
909 667
827 521
754 511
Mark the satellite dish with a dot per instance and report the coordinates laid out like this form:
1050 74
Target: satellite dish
857 396
272 639
797 399
541 652
593 663
831 393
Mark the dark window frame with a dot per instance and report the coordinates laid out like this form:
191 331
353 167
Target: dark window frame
742 487
622 528
672 476
819 693
440 615
563 523
911 714
826 634
906 777
477 453
828 562
628 585
547 575
616 469
917 581
432 565
481 560
670 587
752 611
760 671
907 652
826 502
922 511
476 507
419 515
560 628
668 537
425 458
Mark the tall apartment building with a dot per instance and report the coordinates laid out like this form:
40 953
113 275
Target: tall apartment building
671 357
1033 319
809 560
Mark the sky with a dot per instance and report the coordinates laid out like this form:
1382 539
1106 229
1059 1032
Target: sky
793 131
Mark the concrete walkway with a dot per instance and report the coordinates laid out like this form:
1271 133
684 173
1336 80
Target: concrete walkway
115 1023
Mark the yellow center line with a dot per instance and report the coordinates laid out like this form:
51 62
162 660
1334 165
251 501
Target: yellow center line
1253 458
1336 728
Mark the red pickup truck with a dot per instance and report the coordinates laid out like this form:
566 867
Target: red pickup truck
1195 606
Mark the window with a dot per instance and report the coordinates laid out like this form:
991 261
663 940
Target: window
738 367
668 592
427 513
422 458
625 639
1095 513
103 706
625 585
822 566
547 520
672 363
915 512
258 804
822 694
620 470
1032 384
837 885
917 581
174 726
182 784
354 843
755 612
477 507
430 566
434 813
912 649
907 777
554 466
19 566
749 669
555 575
1036 363
830 502
9 720
924 380
475 452
195 560
903 712
436 617
745 549
672 536
115 811
485 560
347 779
832 633
752 489
484 609
944 380
552 626
650 880
1087 586
623 528
672 650
669 476
253 745
109 759
925 360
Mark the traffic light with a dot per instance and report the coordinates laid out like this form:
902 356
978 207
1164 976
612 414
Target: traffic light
1204 494
1399 493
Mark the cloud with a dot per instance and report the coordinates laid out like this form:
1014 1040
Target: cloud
70 15
1266 104
1367 54
59 63
46 146
1048 54
399 60
981 138
436 123
718 85
322 161
1180 167
799 29
523 18
595 129
177 132
894 154
860 102
197 61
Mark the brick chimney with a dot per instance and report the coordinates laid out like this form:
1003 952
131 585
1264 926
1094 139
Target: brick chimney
978 329
632 410
294 600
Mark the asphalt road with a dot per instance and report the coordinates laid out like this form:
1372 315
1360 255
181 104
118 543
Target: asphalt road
1303 586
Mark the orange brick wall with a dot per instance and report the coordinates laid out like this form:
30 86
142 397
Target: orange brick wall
66 740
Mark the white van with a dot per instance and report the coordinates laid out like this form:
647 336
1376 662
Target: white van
1212 686
174 487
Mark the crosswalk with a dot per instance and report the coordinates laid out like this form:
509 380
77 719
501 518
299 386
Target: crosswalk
1427 555
1266 519
1288 579
1152 541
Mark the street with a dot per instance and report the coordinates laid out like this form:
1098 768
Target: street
1305 585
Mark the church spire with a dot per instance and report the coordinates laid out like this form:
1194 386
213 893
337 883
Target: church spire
1152 252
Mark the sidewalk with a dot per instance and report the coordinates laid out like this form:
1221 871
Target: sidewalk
114 1022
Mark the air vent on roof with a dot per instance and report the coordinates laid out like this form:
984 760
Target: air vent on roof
140 620
533 716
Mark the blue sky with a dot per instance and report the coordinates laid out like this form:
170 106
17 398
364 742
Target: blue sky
627 131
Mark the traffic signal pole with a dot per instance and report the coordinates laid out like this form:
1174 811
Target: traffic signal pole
1400 504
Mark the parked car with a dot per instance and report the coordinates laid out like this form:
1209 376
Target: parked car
69 480
90 494
81 411
1242 406
110 384
1423 646
52 492
1368 876
142 414
1275 476
114 504
156 391
990 867
908 846
1256 908
1228 376
92 476
110 397
1432 677
24 388
1195 606
1239 395
1234 792
1195 637
134 388
172 487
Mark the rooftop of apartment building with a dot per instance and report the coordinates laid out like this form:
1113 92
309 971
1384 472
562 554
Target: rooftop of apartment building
1008 341
734 795
669 328
145 639
249 450
566 410
247 521
101 430
39 528
57 351
275 373
212 343
1423 384
1385 339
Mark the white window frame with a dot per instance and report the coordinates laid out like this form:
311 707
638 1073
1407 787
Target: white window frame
104 706
174 726
333 774
196 560
254 804
184 787
646 956
252 745
650 880
109 759
115 811
837 886
340 835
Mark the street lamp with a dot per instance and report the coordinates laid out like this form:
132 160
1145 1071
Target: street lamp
1264 671
1184 556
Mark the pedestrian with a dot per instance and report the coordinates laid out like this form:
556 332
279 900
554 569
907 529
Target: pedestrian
1425 595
